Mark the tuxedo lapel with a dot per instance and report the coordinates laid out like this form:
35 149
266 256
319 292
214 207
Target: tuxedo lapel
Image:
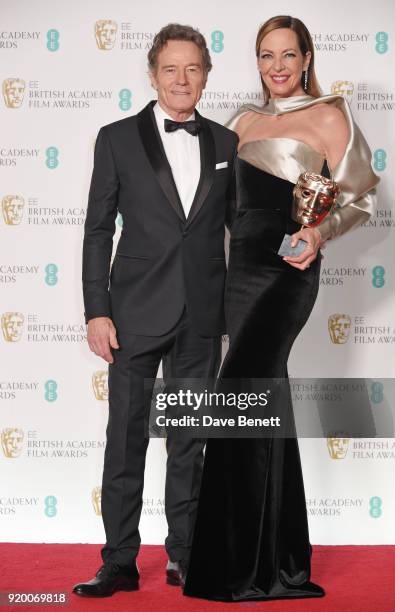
155 152
207 167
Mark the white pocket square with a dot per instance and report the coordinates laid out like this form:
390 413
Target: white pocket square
221 165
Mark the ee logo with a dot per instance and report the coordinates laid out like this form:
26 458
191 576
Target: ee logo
50 503
51 390
217 41
376 395
125 99
380 160
51 160
381 42
378 280
53 40
51 274
375 507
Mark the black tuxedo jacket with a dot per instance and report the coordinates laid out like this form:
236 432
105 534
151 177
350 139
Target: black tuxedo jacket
163 260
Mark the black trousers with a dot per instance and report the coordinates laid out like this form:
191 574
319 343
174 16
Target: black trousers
184 354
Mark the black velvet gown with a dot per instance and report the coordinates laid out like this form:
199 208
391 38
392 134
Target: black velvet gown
251 539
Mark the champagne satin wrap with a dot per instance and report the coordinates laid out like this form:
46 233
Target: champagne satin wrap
354 175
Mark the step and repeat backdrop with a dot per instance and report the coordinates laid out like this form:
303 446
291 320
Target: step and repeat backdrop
67 69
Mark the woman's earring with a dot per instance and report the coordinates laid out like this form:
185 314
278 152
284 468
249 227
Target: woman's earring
306 76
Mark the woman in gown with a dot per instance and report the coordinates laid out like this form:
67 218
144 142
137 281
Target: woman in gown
251 539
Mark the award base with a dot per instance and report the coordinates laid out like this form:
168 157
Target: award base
288 251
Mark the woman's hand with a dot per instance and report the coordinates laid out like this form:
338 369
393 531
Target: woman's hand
313 238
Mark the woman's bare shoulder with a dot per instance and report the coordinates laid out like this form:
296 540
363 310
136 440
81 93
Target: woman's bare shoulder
328 116
330 127
332 131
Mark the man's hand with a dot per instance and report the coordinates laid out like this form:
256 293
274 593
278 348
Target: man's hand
313 238
102 336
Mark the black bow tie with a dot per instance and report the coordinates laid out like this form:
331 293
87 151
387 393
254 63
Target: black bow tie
192 127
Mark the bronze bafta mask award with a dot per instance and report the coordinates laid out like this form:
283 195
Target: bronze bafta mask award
313 198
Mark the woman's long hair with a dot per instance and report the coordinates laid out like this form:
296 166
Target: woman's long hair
305 44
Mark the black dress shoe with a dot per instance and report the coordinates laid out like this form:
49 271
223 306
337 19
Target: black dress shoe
109 579
175 573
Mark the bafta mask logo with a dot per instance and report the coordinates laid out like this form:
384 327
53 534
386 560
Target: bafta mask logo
105 34
338 447
100 385
313 198
96 500
12 326
13 91
343 88
339 326
12 442
12 206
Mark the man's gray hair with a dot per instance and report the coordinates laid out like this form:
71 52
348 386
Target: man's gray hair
175 31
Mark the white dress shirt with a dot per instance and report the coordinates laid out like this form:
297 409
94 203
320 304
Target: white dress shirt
183 154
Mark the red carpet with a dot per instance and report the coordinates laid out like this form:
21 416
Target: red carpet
356 579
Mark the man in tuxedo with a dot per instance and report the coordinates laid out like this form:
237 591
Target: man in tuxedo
168 171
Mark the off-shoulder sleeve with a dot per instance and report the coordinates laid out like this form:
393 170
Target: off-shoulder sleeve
356 179
231 124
